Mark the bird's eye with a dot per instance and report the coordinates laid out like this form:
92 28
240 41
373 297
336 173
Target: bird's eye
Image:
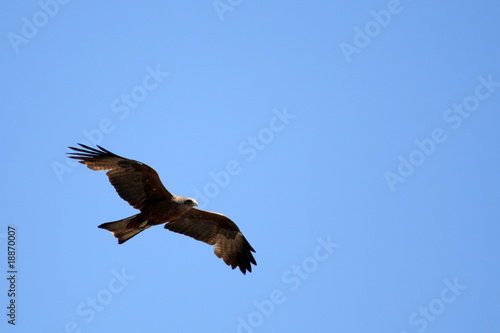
188 202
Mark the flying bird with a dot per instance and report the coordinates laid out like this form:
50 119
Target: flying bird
140 186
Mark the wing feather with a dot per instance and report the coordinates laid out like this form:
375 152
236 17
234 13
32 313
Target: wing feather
134 181
216 229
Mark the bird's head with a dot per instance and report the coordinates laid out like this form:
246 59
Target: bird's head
190 202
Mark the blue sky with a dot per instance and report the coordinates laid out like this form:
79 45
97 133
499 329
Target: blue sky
355 144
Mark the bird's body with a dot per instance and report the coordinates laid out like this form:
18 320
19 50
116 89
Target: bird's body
162 211
140 186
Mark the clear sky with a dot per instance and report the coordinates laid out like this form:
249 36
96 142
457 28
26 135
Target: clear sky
355 144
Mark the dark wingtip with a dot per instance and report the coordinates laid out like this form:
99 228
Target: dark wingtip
245 264
105 150
85 152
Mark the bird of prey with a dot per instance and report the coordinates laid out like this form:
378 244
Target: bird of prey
140 186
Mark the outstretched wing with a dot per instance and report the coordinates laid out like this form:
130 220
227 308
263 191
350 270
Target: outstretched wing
218 230
135 182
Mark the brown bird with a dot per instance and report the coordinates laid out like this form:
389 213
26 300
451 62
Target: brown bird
140 186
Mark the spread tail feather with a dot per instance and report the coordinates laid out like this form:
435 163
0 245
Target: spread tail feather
125 229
